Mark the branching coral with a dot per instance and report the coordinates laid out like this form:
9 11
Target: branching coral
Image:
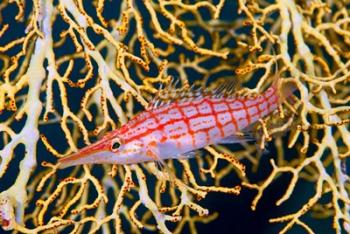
79 69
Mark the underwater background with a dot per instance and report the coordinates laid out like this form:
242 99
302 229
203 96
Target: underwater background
109 58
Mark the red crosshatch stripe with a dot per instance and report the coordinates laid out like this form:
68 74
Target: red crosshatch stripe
233 119
273 97
247 114
209 137
140 122
268 96
195 105
257 114
258 106
268 99
187 122
217 122
159 127
237 120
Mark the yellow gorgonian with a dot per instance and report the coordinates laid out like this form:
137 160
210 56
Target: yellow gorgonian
71 71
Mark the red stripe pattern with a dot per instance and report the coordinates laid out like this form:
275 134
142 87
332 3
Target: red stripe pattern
194 124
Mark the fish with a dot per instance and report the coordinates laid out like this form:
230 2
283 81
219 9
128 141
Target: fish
175 126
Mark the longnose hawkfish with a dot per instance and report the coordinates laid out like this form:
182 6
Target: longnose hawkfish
175 128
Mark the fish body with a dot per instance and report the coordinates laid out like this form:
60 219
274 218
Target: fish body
176 129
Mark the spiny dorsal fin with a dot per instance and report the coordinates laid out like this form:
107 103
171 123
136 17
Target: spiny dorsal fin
171 93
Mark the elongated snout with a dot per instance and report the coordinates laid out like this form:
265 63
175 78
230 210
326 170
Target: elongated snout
95 153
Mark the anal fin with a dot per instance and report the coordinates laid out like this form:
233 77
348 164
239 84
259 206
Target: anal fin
236 138
188 155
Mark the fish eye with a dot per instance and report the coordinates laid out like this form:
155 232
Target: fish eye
116 144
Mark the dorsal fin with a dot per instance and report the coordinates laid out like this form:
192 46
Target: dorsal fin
171 93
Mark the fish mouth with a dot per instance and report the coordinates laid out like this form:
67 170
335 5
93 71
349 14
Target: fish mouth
78 158
93 154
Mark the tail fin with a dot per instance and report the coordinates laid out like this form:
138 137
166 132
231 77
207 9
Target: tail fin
285 89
